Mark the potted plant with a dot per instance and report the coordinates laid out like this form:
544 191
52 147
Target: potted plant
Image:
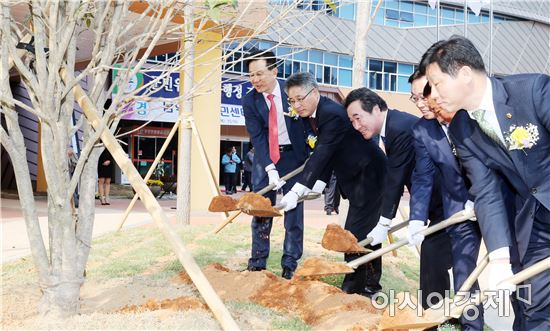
155 185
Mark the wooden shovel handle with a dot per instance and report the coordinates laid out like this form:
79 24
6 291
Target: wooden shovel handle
461 216
394 228
261 192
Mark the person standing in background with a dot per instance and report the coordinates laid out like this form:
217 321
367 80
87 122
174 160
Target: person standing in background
104 173
247 170
230 160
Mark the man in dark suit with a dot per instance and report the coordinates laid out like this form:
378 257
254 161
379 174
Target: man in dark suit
280 148
434 152
502 135
370 116
359 166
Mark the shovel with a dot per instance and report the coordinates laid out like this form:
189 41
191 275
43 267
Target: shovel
223 203
394 228
435 316
340 268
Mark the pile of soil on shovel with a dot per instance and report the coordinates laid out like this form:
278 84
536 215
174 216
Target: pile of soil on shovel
222 203
340 240
259 205
314 268
320 305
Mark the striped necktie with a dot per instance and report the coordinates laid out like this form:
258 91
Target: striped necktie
486 127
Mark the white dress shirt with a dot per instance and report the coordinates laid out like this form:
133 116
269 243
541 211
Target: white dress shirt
281 124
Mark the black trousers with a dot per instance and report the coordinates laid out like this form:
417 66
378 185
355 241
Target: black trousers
230 182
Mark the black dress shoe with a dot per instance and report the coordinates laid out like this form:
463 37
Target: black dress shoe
287 273
336 211
251 268
329 212
370 291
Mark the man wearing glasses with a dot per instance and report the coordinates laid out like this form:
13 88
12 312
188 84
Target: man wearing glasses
435 152
359 166
280 147
369 114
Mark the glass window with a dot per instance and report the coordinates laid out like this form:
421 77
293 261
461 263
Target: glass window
403 84
392 14
282 51
331 58
295 67
405 69
447 21
347 11
406 5
432 21
344 77
485 18
319 73
302 55
459 15
311 69
407 17
420 8
379 19
420 20
288 68
472 18
315 56
375 65
392 4
375 80
448 13
390 66
265 45
392 23
345 61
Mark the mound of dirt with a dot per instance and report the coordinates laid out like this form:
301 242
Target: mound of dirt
320 305
340 240
182 303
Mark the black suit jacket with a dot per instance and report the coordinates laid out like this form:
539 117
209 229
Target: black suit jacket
342 149
399 144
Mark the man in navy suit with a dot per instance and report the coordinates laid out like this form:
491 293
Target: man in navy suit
502 136
280 147
434 151
370 116
359 166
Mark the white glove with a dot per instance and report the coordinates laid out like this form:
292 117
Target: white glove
380 231
290 200
274 178
413 236
468 207
500 269
318 187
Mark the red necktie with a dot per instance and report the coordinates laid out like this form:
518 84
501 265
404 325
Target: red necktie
274 153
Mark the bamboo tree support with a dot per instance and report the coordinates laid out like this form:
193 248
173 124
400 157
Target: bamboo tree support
202 151
150 172
184 255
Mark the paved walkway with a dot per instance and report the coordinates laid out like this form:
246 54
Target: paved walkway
15 242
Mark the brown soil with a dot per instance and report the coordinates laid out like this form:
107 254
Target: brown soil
257 205
182 303
222 203
340 240
319 267
320 305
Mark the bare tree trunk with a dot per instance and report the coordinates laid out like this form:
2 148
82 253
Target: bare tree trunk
362 25
183 216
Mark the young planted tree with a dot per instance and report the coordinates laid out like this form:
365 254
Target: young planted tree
54 48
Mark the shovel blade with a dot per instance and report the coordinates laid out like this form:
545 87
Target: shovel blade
315 267
262 212
256 205
222 203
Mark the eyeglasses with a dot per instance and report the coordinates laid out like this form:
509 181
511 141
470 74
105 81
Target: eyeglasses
415 98
292 102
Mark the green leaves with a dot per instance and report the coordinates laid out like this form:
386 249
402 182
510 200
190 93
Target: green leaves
215 8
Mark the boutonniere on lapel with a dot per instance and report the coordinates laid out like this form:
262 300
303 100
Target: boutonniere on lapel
311 141
292 113
521 137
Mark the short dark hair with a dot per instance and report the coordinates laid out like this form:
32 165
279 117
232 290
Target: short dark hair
453 54
368 99
256 54
301 79
416 75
